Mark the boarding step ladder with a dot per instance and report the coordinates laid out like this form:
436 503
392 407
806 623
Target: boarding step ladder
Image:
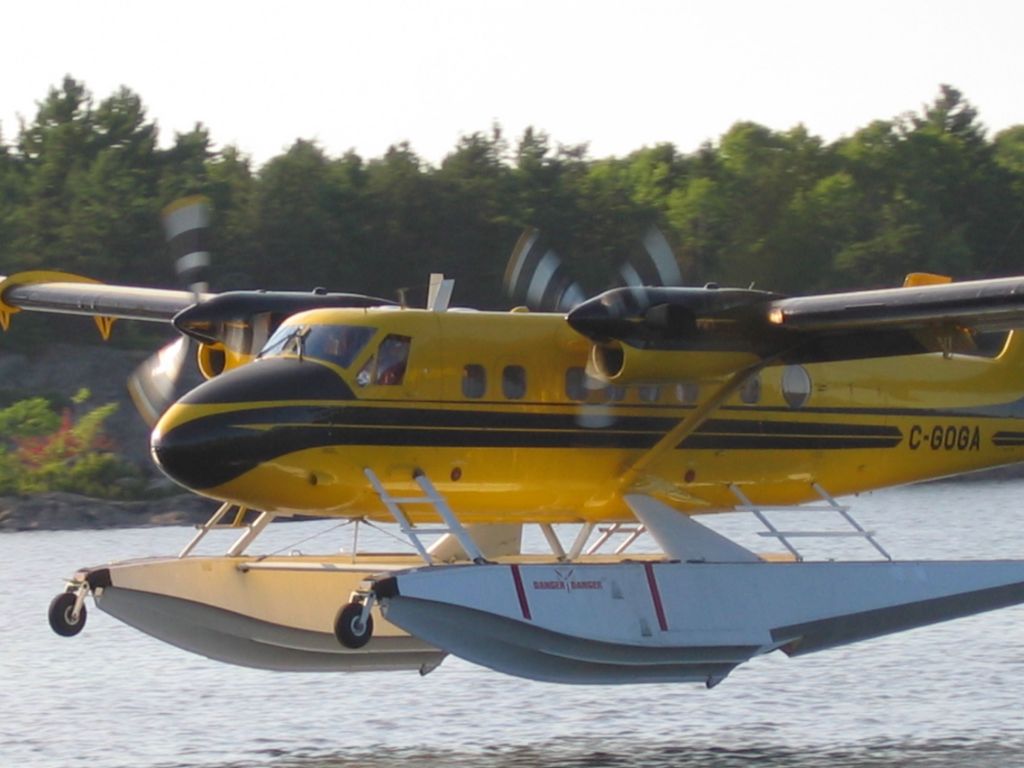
831 505
431 497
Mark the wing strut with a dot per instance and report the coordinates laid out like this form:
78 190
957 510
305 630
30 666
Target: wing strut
691 423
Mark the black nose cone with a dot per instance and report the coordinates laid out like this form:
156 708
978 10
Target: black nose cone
276 379
232 423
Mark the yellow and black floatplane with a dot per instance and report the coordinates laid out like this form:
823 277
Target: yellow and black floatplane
634 412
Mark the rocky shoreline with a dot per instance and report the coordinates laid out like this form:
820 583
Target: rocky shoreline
69 511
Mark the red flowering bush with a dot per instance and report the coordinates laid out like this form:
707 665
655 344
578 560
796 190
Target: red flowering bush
43 450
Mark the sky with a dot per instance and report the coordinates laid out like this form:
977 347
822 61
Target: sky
614 75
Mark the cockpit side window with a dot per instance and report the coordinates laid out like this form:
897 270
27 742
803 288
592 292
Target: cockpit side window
387 366
392 356
284 341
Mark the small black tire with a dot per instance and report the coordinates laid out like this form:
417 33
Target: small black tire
349 627
62 619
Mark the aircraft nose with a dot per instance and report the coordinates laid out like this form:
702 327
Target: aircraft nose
241 419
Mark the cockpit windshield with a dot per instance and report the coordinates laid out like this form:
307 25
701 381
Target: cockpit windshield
338 344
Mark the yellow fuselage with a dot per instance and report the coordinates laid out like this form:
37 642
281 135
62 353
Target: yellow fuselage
496 410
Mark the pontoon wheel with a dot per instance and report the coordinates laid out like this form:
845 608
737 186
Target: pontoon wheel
62 619
349 627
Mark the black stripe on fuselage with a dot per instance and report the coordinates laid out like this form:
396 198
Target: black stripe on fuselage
750 434
1008 438
209 451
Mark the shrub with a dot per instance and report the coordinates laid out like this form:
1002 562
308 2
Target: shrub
43 450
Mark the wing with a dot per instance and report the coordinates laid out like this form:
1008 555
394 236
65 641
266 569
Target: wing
65 293
230 327
980 305
738 328
207 317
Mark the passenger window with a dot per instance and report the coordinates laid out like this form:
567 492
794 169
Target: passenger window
687 392
576 384
387 367
649 393
474 381
616 393
796 385
513 382
750 393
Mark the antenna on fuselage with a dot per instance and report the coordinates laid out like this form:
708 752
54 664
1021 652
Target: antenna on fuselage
439 293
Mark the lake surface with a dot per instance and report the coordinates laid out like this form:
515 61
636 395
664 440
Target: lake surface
947 695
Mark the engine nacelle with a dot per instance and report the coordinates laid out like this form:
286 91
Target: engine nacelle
620 363
214 359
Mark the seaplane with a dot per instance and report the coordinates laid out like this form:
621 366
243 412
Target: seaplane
600 419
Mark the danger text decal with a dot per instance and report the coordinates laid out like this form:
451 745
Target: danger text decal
566 582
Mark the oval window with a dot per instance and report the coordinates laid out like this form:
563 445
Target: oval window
796 385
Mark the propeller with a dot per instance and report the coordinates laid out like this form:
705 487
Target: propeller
153 385
537 278
655 265
239 322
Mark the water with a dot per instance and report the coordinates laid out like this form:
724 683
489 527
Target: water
940 696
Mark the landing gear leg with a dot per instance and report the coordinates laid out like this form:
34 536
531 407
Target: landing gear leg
67 611
354 625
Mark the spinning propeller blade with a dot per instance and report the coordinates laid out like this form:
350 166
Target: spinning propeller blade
187 229
153 385
537 277
655 265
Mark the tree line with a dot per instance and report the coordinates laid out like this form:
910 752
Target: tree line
82 185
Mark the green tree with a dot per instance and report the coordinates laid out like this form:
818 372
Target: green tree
477 215
403 221
185 166
232 190
113 208
934 196
308 221
53 149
